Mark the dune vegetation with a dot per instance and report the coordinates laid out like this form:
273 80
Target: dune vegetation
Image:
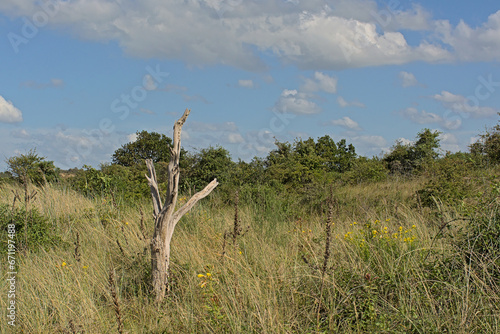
283 245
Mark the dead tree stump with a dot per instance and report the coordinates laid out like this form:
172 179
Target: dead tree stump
166 218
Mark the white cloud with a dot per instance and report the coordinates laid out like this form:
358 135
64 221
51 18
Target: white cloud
235 138
9 113
369 145
132 137
417 18
245 83
450 122
344 122
149 82
310 34
67 148
421 117
343 103
294 102
464 105
407 79
20 133
449 142
321 82
405 141
473 44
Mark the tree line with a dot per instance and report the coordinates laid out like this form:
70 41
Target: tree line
291 166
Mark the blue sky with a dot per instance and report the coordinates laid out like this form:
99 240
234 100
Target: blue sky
78 78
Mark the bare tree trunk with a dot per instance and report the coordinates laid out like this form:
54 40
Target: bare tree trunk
165 215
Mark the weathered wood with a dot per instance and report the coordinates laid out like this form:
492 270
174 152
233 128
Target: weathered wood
166 218
155 192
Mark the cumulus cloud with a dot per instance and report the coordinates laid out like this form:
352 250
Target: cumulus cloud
343 103
407 79
450 122
9 113
310 34
321 82
132 137
369 145
344 122
421 117
67 148
294 102
464 105
449 142
473 44
235 138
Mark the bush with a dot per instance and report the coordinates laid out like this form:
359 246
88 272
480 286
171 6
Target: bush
408 158
450 180
366 170
487 149
32 230
481 237
128 182
32 168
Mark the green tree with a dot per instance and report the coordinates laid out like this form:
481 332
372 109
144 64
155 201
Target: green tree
306 160
487 148
248 172
91 181
30 167
202 167
426 147
406 158
366 170
148 145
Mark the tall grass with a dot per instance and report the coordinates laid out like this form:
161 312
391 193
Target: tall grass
375 282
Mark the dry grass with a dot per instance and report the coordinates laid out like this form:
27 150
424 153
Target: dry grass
263 285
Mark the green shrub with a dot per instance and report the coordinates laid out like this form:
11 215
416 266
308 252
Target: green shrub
450 180
31 229
30 167
366 170
479 242
487 149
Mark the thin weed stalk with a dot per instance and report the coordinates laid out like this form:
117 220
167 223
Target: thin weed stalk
326 257
116 302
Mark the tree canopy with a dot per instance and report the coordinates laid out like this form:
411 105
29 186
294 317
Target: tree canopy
30 167
148 145
488 146
405 158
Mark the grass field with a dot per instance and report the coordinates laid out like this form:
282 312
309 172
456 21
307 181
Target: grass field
384 265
